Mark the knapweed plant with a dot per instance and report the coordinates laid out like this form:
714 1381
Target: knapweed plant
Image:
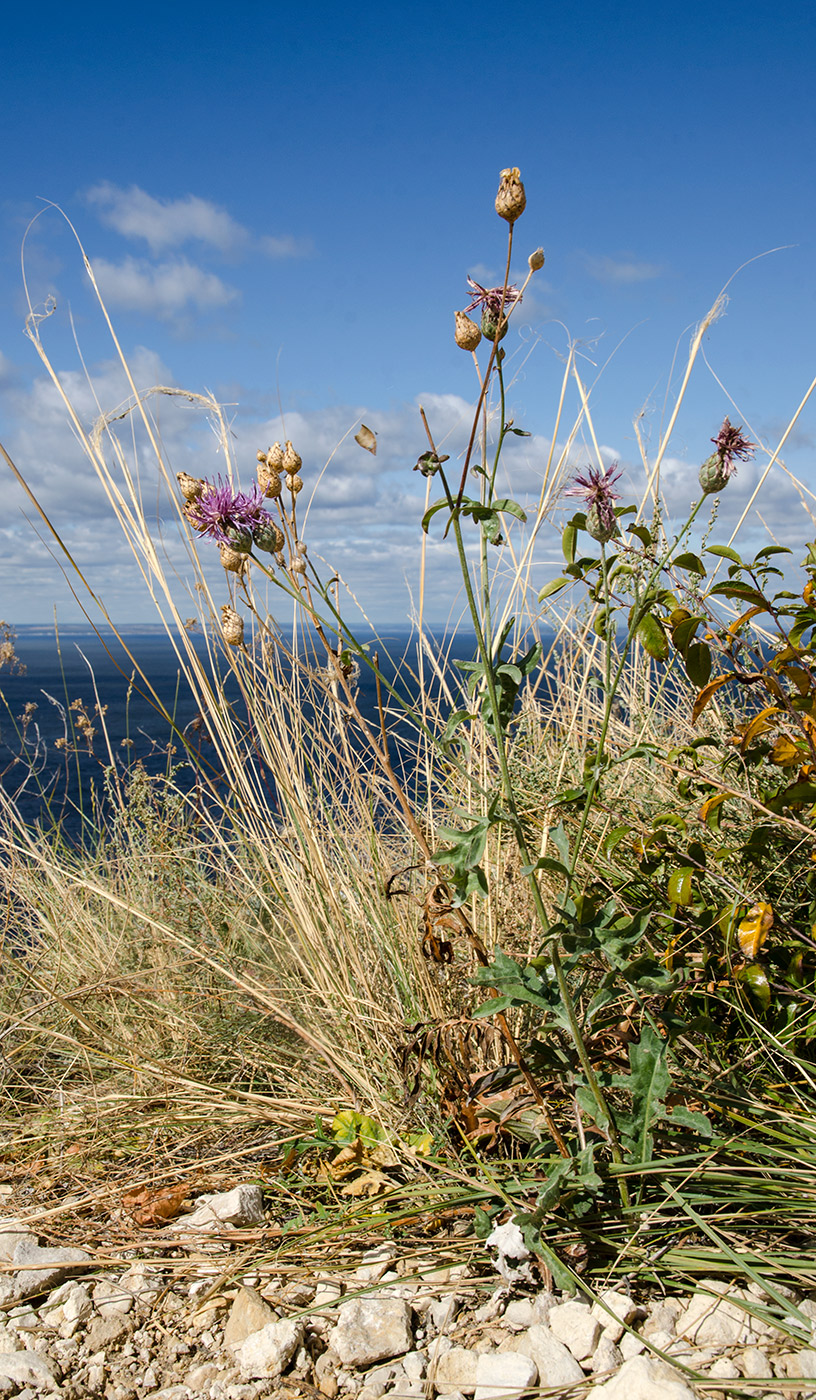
579 923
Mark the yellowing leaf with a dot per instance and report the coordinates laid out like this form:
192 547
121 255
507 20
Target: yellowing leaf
754 929
759 725
706 694
785 753
746 617
712 803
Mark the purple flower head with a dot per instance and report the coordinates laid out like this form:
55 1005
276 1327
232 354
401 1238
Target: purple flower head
219 510
595 487
732 447
490 298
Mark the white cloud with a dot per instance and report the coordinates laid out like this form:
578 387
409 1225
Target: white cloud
621 271
160 289
169 223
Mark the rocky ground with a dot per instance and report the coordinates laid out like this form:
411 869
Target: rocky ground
195 1323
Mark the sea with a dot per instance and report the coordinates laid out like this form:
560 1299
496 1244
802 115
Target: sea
47 767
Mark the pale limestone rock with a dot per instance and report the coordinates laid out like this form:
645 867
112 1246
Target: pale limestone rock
42 1269
456 1370
10 1340
755 1364
643 1378
371 1329
105 1332
376 1263
112 1299
28 1368
69 1303
519 1314
504 1377
513 1255
607 1356
141 1282
632 1345
802 1364
723 1369
265 1354
622 1308
10 1239
717 1321
242 1207
406 1390
415 1364
556 1363
248 1314
661 1318
574 1325
442 1311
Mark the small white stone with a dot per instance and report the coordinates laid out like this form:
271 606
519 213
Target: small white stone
241 1208
519 1314
28 1368
371 1329
631 1345
112 1298
755 1364
555 1362
643 1378
607 1356
415 1364
456 1370
504 1377
266 1354
723 1369
574 1325
623 1309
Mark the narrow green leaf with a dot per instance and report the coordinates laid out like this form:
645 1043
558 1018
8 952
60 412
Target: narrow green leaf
569 537
653 637
724 551
554 586
691 562
698 664
679 888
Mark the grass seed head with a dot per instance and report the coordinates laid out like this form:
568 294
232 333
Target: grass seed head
511 200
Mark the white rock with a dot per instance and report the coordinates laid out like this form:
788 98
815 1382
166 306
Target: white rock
326 1294
607 1356
266 1354
451 1395
803 1364
661 1319
643 1378
415 1364
406 1390
242 1207
10 1340
442 1311
632 1345
371 1329
513 1255
375 1263
9 1240
519 1314
574 1325
26 1368
112 1299
714 1321
755 1364
723 1369
39 1269
622 1308
504 1377
456 1370
248 1314
142 1283
556 1363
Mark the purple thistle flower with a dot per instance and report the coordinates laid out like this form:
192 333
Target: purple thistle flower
226 515
490 298
731 446
595 487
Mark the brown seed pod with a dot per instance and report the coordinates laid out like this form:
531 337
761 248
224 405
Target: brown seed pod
511 200
191 486
292 463
232 626
466 334
234 560
274 457
535 262
298 566
269 480
295 484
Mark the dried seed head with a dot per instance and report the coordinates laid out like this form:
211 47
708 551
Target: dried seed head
295 484
511 199
232 626
269 538
298 566
302 548
467 334
234 560
269 481
535 262
490 325
274 457
292 463
191 486
261 456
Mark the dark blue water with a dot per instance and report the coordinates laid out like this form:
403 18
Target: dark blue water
57 778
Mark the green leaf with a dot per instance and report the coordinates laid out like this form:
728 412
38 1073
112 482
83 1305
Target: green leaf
690 562
554 586
644 535
697 662
653 637
546 863
756 980
569 537
684 632
614 837
431 512
680 885
648 1082
724 552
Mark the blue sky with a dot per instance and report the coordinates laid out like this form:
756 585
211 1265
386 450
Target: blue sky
282 203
